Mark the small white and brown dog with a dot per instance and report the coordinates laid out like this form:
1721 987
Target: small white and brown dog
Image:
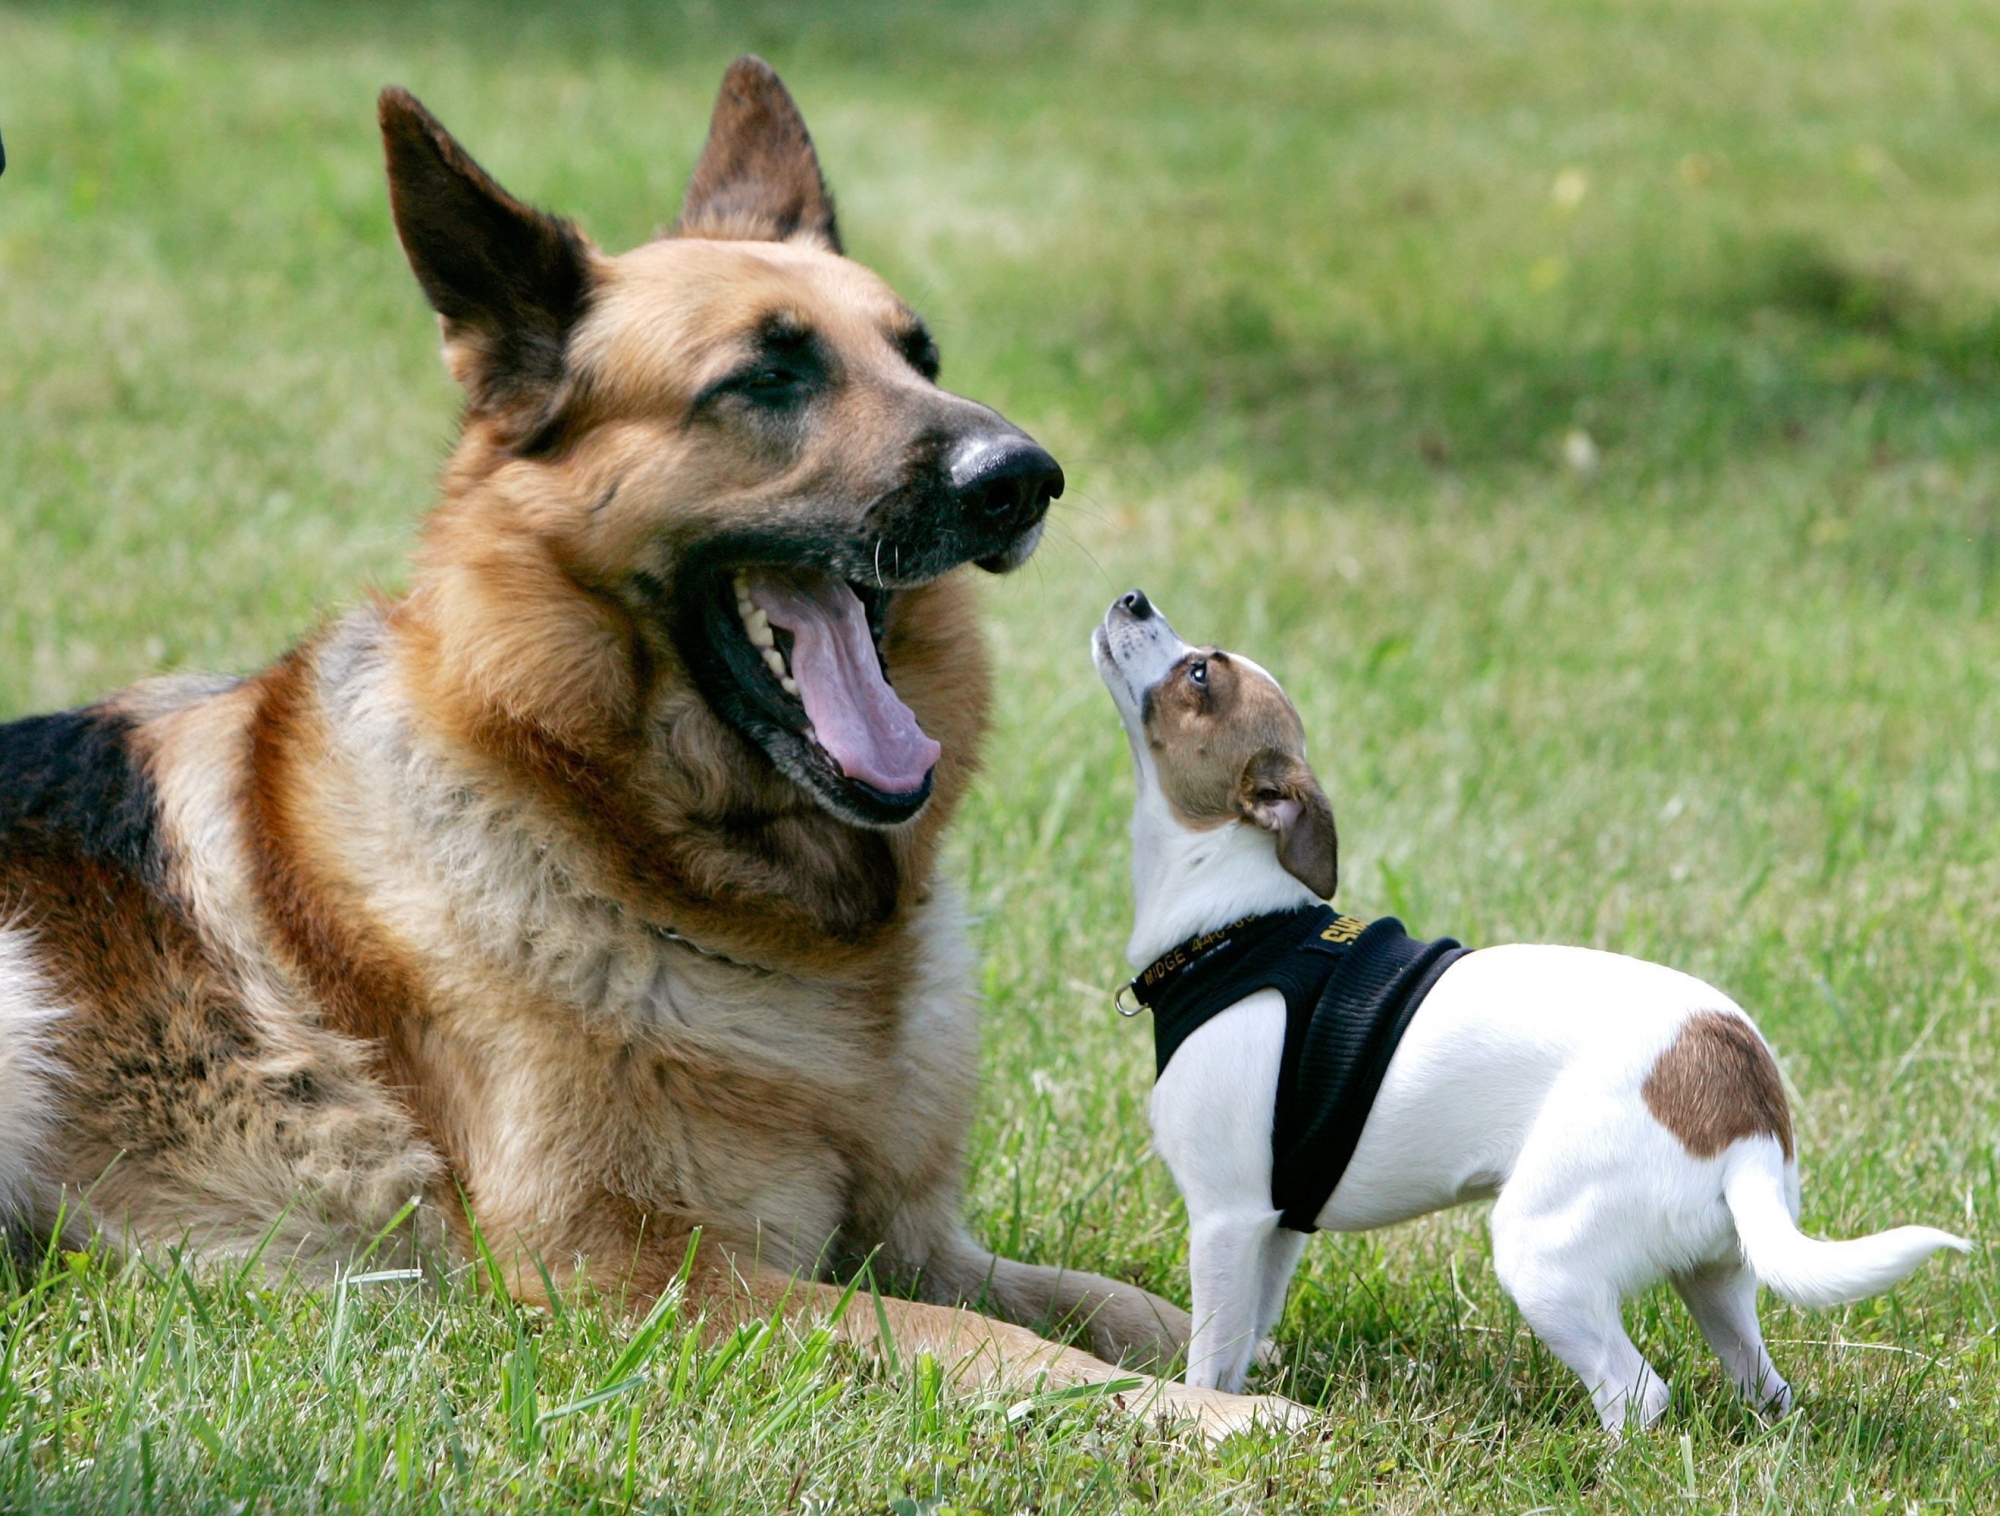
1629 1119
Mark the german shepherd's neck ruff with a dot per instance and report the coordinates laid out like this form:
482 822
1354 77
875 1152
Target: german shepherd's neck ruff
589 891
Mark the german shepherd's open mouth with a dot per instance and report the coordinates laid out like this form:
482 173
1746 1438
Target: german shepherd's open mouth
792 657
790 652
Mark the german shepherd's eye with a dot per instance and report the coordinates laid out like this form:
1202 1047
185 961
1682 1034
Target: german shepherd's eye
788 369
775 385
768 386
918 350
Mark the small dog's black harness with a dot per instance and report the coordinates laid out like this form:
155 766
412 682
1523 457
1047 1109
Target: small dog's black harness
1350 990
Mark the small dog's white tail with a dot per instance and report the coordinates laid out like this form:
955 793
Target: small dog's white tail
1805 1270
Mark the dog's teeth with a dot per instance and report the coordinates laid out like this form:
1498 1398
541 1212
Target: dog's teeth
742 587
788 684
774 660
759 627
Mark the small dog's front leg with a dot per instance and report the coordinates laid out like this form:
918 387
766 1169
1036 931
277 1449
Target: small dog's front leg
1227 1252
1282 1251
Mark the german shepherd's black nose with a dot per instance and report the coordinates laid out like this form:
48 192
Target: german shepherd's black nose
1003 481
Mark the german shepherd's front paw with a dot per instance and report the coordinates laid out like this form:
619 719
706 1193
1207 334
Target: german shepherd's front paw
1217 1414
1137 1329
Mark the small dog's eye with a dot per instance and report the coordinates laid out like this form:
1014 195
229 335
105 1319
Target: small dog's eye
1198 672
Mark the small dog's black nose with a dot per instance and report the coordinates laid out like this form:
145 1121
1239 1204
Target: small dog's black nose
1004 482
1136 605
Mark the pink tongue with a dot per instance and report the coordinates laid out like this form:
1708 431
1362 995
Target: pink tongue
857 718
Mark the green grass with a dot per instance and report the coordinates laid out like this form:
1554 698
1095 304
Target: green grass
1307 298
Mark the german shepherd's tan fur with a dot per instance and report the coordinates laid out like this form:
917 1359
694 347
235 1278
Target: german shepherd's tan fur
512 895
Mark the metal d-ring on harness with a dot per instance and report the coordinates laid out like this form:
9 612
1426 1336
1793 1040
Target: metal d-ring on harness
1350 989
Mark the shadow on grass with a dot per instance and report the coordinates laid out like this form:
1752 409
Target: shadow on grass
1786 347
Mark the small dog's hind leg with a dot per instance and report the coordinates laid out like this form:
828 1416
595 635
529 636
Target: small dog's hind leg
1571 1304
1226 1265
1722 1298
1583 1329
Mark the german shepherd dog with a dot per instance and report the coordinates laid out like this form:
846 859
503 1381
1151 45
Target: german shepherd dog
588 893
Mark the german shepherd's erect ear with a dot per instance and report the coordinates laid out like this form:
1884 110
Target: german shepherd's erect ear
1279 792
758 177
507 281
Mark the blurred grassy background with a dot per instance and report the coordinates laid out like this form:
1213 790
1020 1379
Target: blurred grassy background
1588 410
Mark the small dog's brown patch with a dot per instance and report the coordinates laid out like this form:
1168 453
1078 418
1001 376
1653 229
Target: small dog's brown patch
1279 793
1204 722
1716 1083
1229 746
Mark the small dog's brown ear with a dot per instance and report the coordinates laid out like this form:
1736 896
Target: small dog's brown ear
1279 793
758 177
508 281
